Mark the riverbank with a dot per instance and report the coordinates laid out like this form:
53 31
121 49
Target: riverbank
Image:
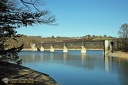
17 75
119 54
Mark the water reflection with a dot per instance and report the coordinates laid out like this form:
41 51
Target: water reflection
83 58
106 63
51 56
110 71
64 57
75 59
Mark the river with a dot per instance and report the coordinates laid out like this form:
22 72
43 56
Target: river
74 68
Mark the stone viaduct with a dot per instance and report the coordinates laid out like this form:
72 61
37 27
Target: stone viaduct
107 46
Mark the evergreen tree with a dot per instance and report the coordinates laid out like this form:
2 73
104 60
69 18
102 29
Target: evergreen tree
12 17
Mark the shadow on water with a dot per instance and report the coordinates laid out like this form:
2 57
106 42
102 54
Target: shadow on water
96 67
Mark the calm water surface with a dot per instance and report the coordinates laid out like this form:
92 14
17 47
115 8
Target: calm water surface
74 68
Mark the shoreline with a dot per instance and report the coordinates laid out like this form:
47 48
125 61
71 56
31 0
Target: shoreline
18 74
119 54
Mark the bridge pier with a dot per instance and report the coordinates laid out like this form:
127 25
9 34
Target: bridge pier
107 47
111 46
41 48
83 49
65 50
33 47
51 48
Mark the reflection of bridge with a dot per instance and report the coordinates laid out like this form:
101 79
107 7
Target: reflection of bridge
107 47
82 60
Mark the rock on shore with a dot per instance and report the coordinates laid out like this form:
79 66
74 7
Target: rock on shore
17 75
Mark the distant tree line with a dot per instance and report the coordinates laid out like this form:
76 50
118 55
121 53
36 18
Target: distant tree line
28 40
119 43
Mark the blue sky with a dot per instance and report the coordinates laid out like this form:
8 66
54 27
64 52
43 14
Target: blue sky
77 18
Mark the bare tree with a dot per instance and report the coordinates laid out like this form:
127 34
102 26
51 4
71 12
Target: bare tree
123 32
